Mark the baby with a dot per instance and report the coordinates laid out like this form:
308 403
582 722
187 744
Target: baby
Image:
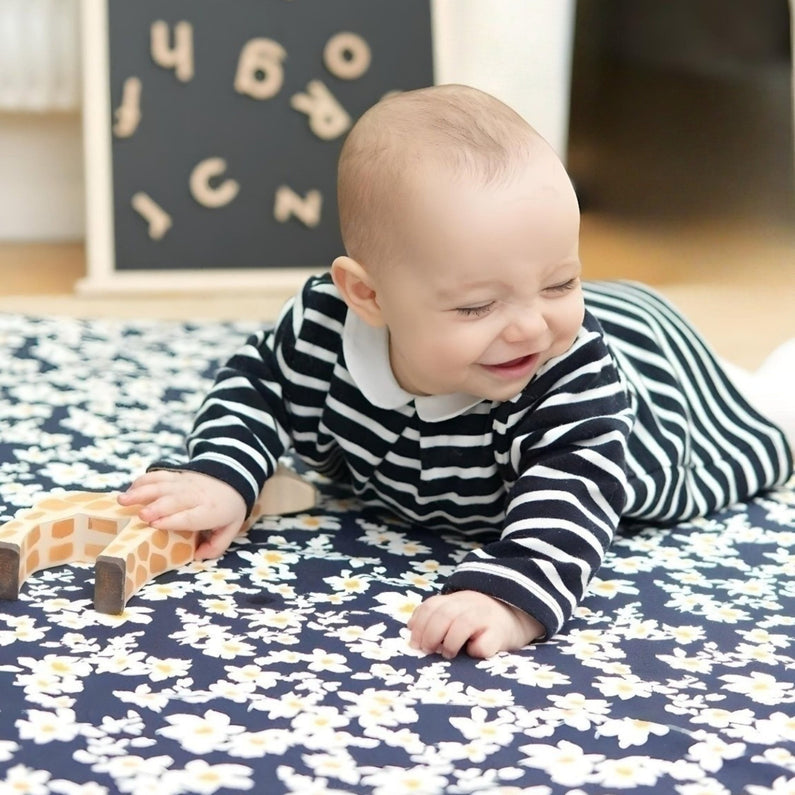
455 370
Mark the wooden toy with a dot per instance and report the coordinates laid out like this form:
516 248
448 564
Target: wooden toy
91 527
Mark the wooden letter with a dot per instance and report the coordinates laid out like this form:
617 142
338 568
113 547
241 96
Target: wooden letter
200 186
260 57
327 118
347 56
306 210
128 114
180 56
159 220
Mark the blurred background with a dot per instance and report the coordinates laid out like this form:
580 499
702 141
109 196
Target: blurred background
679 139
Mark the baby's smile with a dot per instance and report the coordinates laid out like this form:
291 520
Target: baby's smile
515 368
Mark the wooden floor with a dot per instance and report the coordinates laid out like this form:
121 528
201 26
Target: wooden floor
687 183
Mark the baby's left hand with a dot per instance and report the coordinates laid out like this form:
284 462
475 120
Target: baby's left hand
444 624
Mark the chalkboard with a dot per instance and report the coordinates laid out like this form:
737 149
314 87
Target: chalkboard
223 125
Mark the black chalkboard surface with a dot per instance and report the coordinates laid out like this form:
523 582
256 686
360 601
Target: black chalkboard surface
227 119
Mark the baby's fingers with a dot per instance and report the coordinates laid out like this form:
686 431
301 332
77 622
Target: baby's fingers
216 542
168 513
140 495
430 625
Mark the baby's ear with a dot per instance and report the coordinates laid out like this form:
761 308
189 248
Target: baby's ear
357 289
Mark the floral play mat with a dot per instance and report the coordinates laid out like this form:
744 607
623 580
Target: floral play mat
284 666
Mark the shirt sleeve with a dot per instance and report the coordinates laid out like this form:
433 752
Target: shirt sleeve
242 426
565 444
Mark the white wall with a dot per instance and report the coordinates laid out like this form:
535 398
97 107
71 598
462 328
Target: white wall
518 50
41 177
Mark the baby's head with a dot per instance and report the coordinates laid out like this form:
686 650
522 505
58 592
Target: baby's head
455 214
454 132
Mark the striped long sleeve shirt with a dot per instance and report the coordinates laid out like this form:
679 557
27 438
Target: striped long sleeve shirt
635 420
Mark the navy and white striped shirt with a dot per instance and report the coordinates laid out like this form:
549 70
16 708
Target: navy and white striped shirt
635 420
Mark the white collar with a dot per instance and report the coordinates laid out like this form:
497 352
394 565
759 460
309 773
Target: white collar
366 350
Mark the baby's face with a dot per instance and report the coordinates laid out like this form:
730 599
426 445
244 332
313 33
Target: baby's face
489 287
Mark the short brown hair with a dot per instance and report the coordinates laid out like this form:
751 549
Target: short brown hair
464 129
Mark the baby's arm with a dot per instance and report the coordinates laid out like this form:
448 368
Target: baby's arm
447 623
185 500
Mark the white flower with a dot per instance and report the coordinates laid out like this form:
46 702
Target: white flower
380 708
321 660
20 628
630 731
305 785
338 765
712 752
536 675
473 752
125 769
255 745
725 613
680 661
348 583
121 661
685 634
611 588
778 725
759 687
394 542
201 735
761 636
161 669
577 711
704 786
58 665
412 781
628 772
719 718
624 687
253 674
782 757
490 698
315 728
228 647
206 779
287 705
478 728
565 763
143 696
399 606
158 591
63 787
20 779
781 786
44 727
7 750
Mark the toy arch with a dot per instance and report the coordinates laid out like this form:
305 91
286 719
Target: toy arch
91 527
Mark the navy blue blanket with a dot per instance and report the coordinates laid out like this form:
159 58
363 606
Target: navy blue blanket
284 666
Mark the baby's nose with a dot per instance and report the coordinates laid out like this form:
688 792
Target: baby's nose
524 324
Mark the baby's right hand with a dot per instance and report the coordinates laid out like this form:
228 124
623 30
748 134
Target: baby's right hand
184 500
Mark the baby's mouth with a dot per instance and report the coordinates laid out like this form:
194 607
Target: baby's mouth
514 368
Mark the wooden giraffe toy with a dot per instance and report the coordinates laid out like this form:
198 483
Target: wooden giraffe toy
91 527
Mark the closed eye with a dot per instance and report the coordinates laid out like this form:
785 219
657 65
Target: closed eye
475 311
563 287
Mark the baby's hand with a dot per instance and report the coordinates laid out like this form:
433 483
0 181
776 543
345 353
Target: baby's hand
184 500
446 623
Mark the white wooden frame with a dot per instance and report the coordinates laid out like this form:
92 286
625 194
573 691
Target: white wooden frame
518 50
